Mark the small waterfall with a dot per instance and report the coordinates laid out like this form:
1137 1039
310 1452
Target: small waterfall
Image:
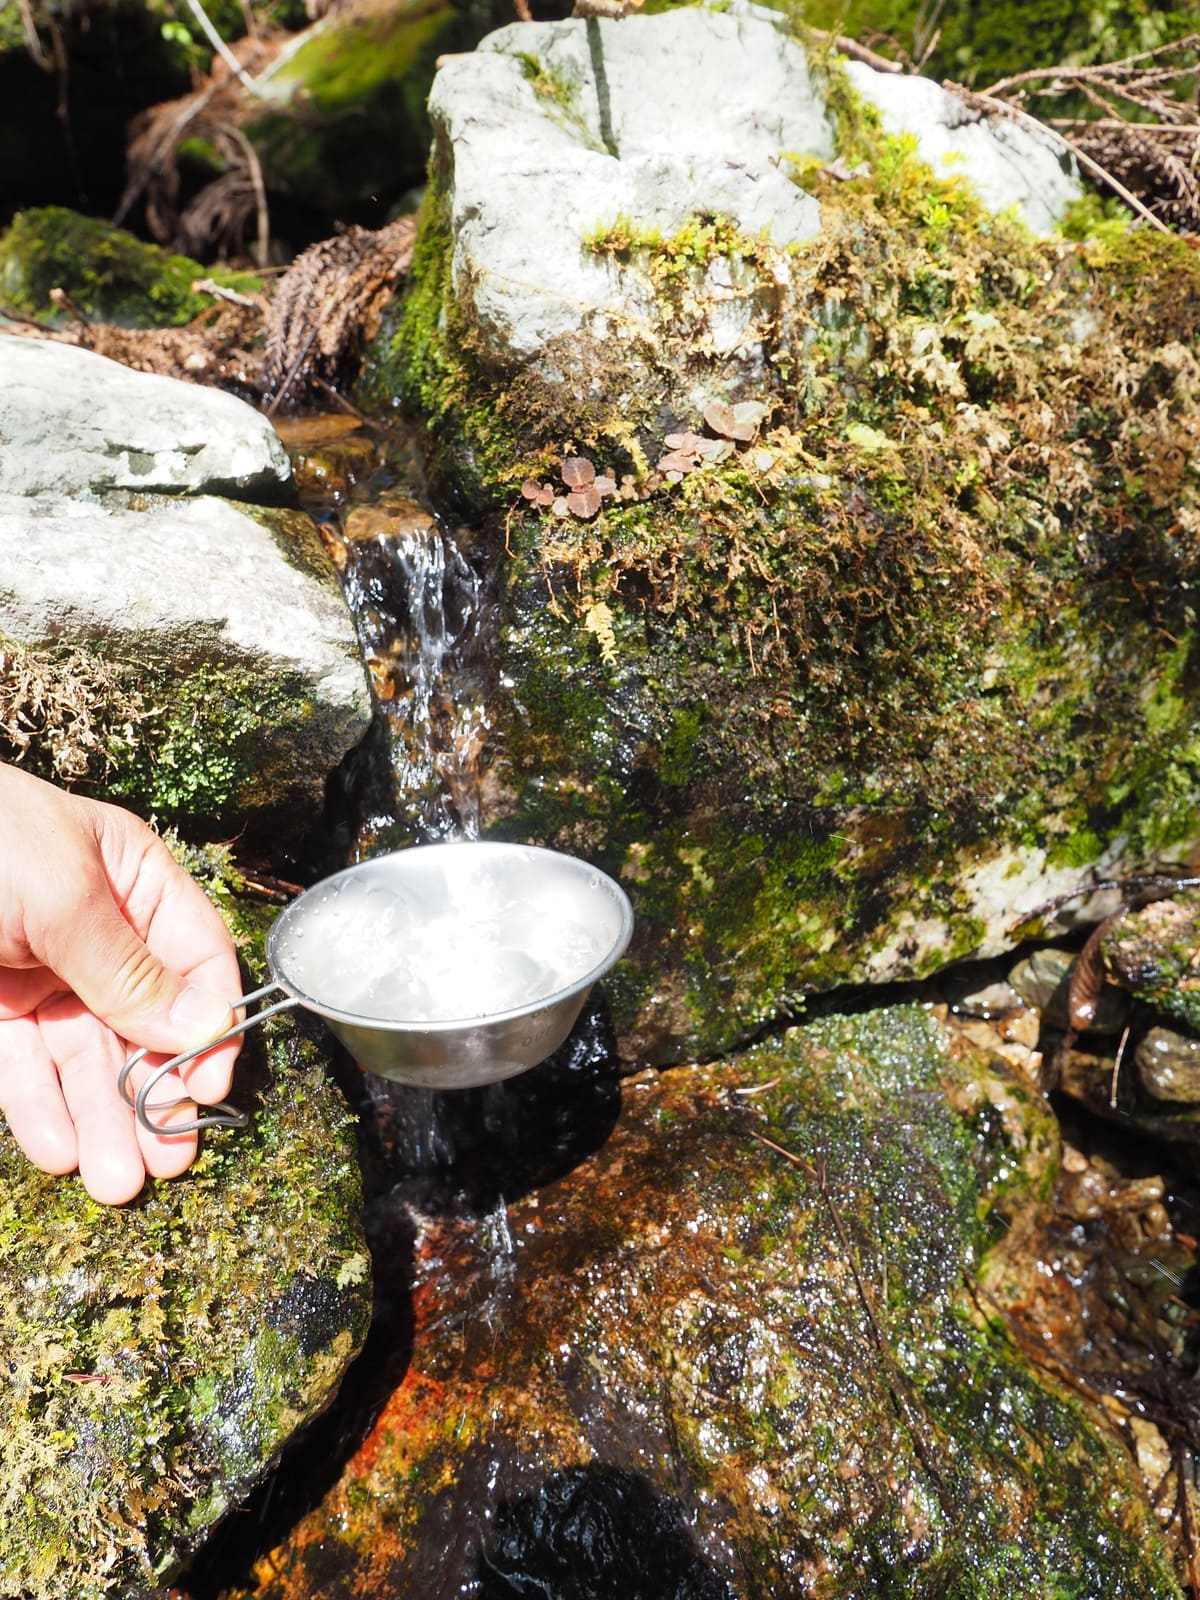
422 612
423 615
426 617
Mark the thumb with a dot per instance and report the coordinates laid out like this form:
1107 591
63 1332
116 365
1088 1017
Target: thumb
124 983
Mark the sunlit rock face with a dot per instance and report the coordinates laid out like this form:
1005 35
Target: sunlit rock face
739 1350
547 138
186 630
843 684
160 1355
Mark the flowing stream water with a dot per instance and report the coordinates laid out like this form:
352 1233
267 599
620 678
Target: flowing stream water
422 612
422 595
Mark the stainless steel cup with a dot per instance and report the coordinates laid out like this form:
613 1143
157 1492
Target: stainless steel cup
520 892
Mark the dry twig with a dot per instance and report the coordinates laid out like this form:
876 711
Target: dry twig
1144 143
329 302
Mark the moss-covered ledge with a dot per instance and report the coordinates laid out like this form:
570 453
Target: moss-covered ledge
107 273
840 705
160 1355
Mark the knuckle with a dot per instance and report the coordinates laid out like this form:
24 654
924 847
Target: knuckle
137 977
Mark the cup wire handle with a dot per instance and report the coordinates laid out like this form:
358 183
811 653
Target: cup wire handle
222 1115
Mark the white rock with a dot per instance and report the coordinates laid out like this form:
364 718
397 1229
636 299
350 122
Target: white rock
174 583
72 422
199 566
552 132
653 119
1007 163
107 541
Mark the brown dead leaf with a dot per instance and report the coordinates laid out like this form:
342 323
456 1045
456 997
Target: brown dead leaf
719 417
299 433
740 422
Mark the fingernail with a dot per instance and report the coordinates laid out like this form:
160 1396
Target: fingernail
201 1014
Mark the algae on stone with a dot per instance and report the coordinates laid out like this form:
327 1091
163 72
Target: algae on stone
893 672
161 1354
746 1330
342 119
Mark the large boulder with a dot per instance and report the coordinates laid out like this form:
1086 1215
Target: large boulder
189 651
877 627
741 1351
548 139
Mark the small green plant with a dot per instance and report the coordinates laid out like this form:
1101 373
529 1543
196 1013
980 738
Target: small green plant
704 237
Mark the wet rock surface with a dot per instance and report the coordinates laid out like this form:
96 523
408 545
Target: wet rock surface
1152 952
738 1347
160 1355
1148 951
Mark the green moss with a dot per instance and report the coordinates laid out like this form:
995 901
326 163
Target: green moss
109 274
938 609
681 745
349 121
174 739
202 1325
560 93
702 239
298 541
978 45
423 360
199 764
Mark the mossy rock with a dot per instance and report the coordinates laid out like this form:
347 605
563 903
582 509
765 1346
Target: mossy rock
736 1353
198 716
110 275
343 120
1151 951
160 1355
843 705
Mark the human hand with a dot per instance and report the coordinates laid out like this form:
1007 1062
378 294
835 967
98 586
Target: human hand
105 944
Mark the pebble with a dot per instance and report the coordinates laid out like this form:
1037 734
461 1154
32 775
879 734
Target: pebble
1168 1065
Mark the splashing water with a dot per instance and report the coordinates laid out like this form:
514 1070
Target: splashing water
425 618
420 608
